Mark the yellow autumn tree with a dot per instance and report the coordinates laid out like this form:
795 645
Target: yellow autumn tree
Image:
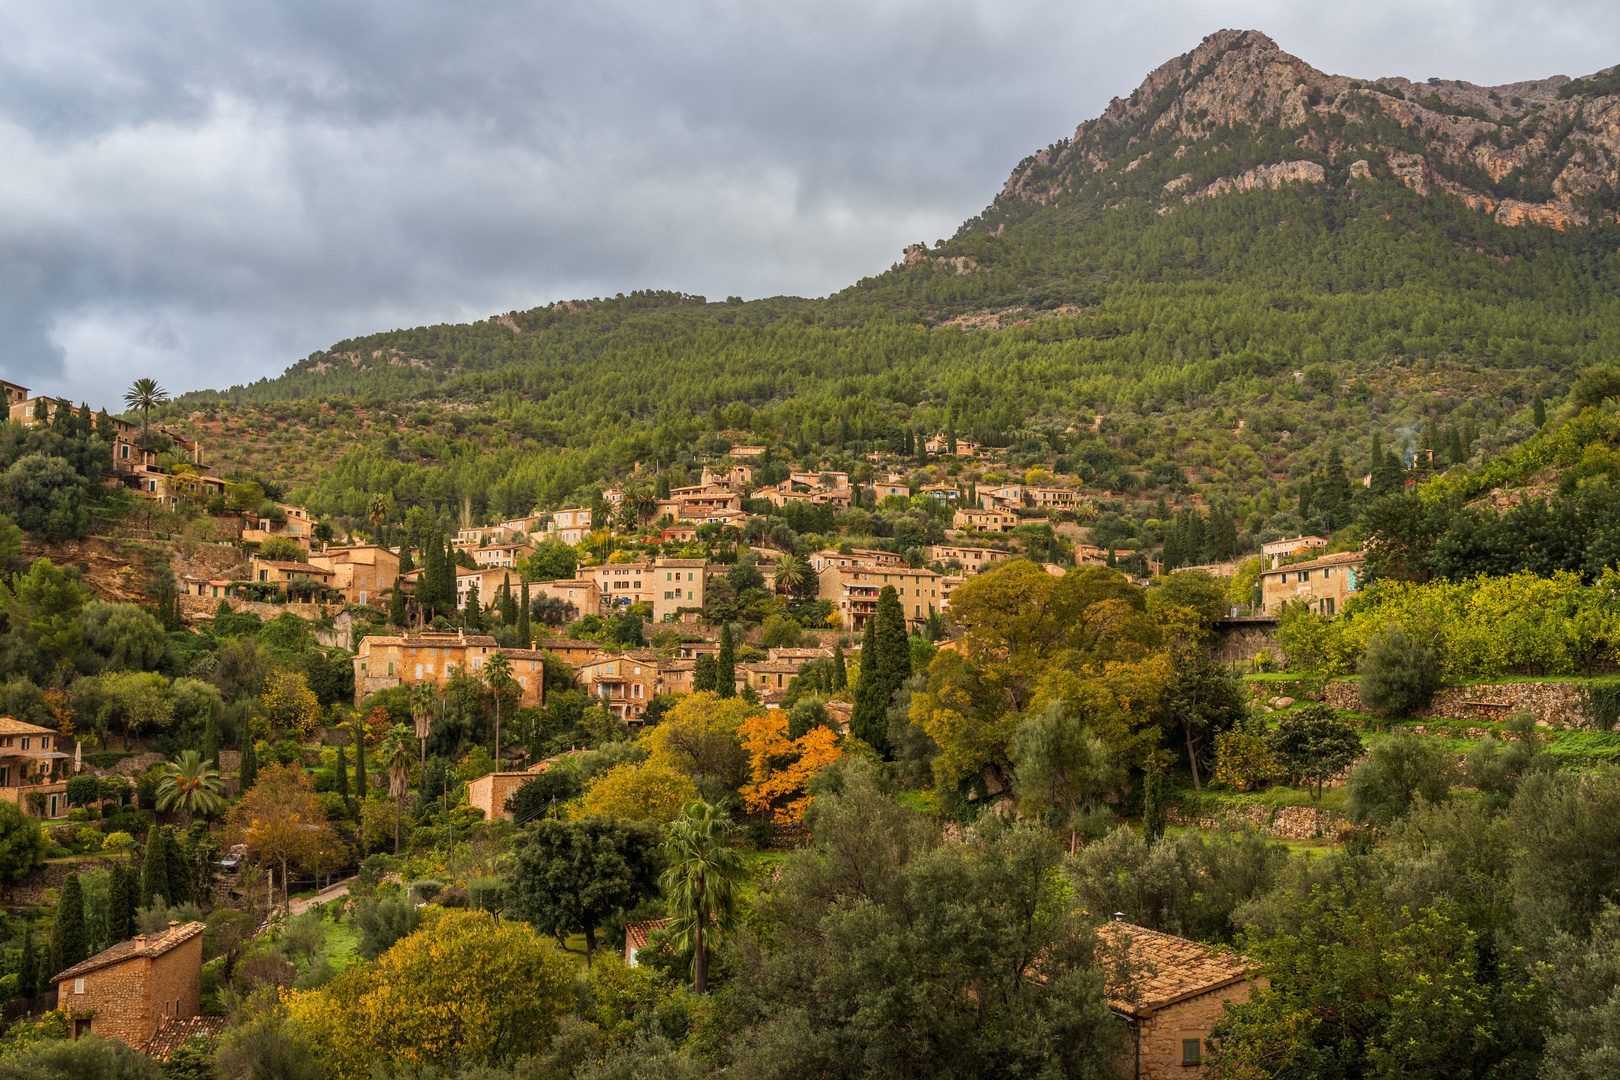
780 768
290 703
699 737
640 791
465 987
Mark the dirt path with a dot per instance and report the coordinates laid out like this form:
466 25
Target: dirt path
331 892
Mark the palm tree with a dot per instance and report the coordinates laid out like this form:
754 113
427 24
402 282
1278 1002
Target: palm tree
395 752
627 514
498 674
377 513
191 785
646 505
790 573
423 702
144 394
701 882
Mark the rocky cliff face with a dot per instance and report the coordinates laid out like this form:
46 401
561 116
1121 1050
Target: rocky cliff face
1238 113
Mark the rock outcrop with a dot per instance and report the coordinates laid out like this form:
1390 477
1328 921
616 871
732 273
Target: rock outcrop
1528 153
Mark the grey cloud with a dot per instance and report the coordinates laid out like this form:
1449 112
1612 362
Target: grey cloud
206 191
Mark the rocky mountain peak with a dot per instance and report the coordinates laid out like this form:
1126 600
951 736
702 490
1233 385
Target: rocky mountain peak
1238 112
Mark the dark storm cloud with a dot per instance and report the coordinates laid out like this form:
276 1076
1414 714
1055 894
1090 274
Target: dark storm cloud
206 192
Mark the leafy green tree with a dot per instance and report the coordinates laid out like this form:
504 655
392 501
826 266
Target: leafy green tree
382 922
571 876
42 608
124 637
89 1057
247 773
537 796
701 882
1501 762
725 665
1202 700
1314 745
1399 674
22 842
47 497
1395 775
1064 771
1596 385
357 730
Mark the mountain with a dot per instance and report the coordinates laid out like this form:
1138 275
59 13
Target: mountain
1246 267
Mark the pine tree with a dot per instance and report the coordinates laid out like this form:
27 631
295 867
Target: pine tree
28 965
341 780
725 665
360 780
248 772
840 672
155 869
525 635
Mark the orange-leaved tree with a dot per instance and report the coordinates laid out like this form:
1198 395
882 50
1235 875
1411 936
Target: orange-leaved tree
780 768
282 821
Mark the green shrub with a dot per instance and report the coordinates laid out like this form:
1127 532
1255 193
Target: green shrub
1395 774
1399 674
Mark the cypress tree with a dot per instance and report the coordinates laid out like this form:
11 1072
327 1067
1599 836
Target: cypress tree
525 635
155 869
869 720
121 891
248 772
840 680
359 759
1538 409
447 576
211 739
509 607
177 854
72 942
1152 805
28 967
396 605
342 781
703 673
405 564
104 427
427 586
725 665
885 666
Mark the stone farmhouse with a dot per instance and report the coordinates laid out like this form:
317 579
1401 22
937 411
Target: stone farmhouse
131 990
1325 584
386 662
1180 990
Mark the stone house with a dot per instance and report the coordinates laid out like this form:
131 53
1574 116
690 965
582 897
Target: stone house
636 935
572 651
129 991
28 757
1179 992
677 584
278 573
384 662
570 526
1324 583
621 584
364 573
972 559
1002 521
584 593
853 592
1276 550
854 557
625 683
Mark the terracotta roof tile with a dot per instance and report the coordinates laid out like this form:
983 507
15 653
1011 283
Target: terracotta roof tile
176 1032
636 933
1168 969
9 726
137 946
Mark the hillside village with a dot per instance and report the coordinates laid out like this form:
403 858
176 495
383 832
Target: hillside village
1045 672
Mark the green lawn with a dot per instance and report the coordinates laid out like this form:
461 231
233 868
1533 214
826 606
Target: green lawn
341 940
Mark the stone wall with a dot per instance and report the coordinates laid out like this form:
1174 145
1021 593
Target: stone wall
1162 1033
1553 704
1236 642
1287 822
200 608
29 890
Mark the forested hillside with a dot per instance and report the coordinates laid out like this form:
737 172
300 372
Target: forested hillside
1243 266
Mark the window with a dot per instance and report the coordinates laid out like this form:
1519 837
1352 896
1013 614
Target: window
1192 1051
78 986
44 742
26 741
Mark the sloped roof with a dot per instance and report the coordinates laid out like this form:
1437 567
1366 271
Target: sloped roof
9 726
141 945
1167 969
636 933
177 1031
1338 558
293 567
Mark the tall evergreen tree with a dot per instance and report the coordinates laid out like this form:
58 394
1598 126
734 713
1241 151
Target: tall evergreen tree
725 665
155 869
360 780
885 666
1538 409
472 617
211 739
248 772
405 563
525 634
180 870
28 964
341 775
840 671
123 890
447 576
509 607
72 939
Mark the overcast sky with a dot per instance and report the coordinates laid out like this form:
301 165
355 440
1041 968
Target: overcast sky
206 192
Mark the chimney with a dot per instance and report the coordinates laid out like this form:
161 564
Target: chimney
1119 916
173 925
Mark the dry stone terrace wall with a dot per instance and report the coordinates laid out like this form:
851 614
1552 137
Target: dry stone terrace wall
1553 704
1288 822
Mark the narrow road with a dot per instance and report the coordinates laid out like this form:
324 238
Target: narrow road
331 892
